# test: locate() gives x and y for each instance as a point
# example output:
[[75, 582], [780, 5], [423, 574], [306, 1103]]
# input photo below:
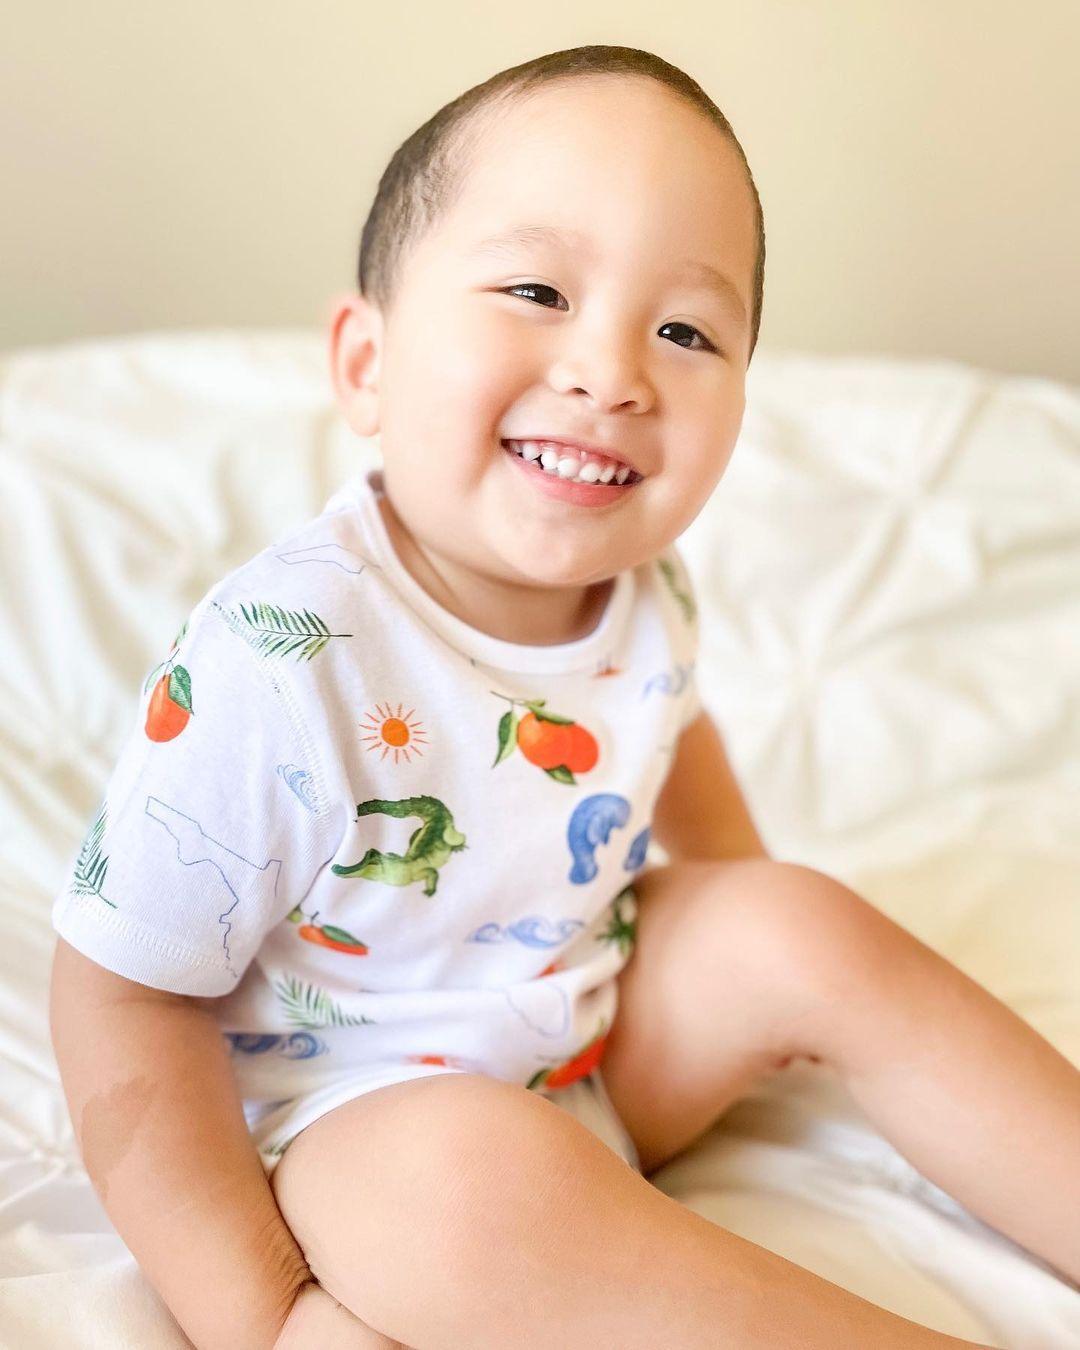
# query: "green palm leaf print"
[[91, 865], [277, 632], [277, 1147], [309, 1006], [684, 598], [621, 929]]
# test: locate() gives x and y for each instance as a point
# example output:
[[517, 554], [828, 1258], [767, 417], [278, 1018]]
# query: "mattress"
[[889, 582]]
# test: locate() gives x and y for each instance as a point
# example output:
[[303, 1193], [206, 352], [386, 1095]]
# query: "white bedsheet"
[[889, 576]]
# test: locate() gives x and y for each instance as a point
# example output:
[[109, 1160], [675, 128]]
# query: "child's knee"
[[834, 953], [417, 1187]]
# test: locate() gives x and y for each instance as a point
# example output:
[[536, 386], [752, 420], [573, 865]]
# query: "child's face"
[[460, 362]]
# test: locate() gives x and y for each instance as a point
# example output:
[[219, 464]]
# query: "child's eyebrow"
[[701, 274]]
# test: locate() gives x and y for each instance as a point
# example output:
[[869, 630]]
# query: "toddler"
[[371, 1017]]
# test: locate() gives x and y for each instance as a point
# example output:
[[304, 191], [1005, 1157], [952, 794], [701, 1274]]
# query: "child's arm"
[[161, 1130], [701, 812]]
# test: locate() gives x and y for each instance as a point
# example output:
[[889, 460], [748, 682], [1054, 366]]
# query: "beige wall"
[[210, 164]]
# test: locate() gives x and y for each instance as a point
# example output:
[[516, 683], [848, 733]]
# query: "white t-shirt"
[[375, 839]]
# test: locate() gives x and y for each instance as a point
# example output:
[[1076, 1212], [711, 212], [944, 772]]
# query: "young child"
[[355, 915]]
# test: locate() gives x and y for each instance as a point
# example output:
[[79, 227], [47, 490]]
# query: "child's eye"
[[530, 286], [537, 286], [708, 345]]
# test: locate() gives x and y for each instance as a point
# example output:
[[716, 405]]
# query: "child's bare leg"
[[318, 1319], [742, 965], [462, 1211], [971, 1094]]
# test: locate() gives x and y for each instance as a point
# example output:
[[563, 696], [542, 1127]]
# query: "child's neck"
[[524, 615]]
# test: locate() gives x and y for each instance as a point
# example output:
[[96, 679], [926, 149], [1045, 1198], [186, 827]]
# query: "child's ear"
[[355, 353]]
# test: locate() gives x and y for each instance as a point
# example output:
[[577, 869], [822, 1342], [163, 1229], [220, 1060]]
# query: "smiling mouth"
[[572, 492], [568, 464]]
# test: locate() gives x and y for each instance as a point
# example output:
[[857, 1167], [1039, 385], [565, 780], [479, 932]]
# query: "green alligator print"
[[430, 846]]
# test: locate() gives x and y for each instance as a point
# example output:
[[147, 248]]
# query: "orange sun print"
[[393, 731]]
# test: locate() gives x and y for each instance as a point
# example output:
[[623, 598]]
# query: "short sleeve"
[[213, 823]]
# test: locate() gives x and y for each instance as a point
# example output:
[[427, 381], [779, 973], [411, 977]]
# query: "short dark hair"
[[427, 171]]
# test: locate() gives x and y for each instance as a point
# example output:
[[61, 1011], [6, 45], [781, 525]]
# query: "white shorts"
[[278, 1124]]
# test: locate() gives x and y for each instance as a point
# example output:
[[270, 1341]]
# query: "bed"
[[889, 580]]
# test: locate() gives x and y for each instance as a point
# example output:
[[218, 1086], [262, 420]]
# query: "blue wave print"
[[635, 856], [300, 781], [669, 682], [297, 1045], [533, 931]]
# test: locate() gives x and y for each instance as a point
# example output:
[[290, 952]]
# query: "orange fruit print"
[[165, 718], [551, 744], [326, 934], [584, 752], [558, 745], [565, 1074], [325, 937], [170, 707], [544, 744]]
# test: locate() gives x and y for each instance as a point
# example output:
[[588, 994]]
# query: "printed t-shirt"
[[368, 836]]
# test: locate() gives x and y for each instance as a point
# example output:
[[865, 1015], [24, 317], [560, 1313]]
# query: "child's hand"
[[317, 1321]]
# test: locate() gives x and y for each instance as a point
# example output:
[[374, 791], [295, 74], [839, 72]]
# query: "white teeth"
[[570, 467]]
